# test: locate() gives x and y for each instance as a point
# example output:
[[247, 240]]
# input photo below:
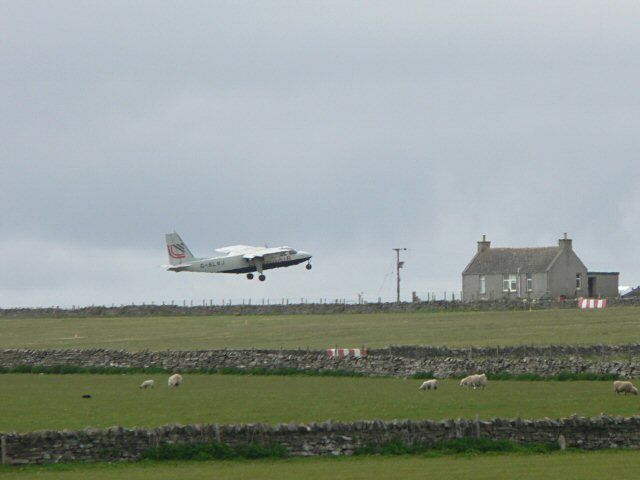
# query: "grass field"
[[34, 402], [565, 465], [612, 326]]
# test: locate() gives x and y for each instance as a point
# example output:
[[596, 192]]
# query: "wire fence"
[[361, 299]]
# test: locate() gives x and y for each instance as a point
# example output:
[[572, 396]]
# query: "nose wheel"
[[250, 276], [262, 278], [308, 266]]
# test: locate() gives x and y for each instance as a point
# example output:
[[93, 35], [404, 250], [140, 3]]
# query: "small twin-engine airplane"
[[234, 259]]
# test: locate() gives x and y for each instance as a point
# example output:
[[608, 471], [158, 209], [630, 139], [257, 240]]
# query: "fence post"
[[3, 447], [477, 426]]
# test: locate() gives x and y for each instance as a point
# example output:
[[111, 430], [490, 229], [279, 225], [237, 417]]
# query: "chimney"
[[565, 243], [484, 244]]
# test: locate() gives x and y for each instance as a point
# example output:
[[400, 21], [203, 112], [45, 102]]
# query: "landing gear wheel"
[[308, 266], [262, 278], [250, 276]]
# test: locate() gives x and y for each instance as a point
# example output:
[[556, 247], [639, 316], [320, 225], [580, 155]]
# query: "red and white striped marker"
[[592, 302], [346, 352]]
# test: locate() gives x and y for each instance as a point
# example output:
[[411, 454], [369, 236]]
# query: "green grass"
[[102, 370], [215, 451], [34, 402], [569, 326], [564, 465], [456, 447]]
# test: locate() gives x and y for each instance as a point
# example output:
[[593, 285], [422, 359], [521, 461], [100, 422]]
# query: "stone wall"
[[298, 308], [313, 439], [622, 360]]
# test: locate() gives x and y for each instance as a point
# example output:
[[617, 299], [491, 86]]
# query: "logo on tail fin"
[[177, 250]]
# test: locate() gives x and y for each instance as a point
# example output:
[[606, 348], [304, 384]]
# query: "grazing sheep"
[[624, 387], [175, 380], [481, 380], [475, 381], [466, 381], [148, 384], [429, 385]]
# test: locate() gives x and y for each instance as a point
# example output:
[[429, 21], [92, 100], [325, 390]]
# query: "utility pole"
[[399, 265]]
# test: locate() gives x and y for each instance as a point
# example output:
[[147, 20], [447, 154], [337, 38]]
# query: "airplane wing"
[[248, 252], [262, 252], [237, 249]]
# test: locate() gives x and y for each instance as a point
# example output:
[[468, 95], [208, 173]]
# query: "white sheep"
[[148, 384], [624, 387], [429, 385], [475, 381], [175, 380], [481, 380], [466, 381]]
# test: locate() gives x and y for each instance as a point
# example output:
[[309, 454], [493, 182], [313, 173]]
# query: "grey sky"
[[342, 128]]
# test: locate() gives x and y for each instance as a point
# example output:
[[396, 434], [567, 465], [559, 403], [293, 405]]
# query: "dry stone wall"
[[298, 308], [622, 360], [313, 439]]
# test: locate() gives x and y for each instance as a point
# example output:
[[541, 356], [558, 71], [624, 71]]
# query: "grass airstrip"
[[38, 402], [457, 329], [566, 465]]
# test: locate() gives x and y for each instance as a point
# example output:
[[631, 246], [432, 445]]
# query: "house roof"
[[632, 293], [509, 260]]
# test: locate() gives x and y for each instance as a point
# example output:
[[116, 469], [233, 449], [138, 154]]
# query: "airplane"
[[234, 259]]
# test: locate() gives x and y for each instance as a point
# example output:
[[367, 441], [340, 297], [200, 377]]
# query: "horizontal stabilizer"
[[176, 268]]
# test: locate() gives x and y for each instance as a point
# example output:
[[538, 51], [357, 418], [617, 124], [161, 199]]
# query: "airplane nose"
[[307, 255]]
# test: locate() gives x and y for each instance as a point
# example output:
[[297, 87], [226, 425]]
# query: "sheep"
[[481, 380], [429, 385], [624, 387], [148, 384], [465, 381], [474, 381], [175, 380]]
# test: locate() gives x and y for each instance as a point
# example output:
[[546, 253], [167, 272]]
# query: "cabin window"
[[578, 281], [483, 284], [529, 282], [509, 282]]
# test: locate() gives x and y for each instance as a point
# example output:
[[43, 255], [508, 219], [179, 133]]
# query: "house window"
[[509, 282], [578, 281], [529, 282], [483, 284]]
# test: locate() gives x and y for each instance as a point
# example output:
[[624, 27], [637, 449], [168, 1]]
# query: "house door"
[[592, 286]]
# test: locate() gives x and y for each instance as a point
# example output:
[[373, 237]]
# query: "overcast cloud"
[[341, 128]]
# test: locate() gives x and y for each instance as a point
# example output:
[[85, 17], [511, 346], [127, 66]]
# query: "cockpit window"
[[292, 251]]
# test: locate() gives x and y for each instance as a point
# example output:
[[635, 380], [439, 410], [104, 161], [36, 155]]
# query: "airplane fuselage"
[[239, 264]]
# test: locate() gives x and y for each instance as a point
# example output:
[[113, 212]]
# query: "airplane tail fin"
[[177, 249]]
